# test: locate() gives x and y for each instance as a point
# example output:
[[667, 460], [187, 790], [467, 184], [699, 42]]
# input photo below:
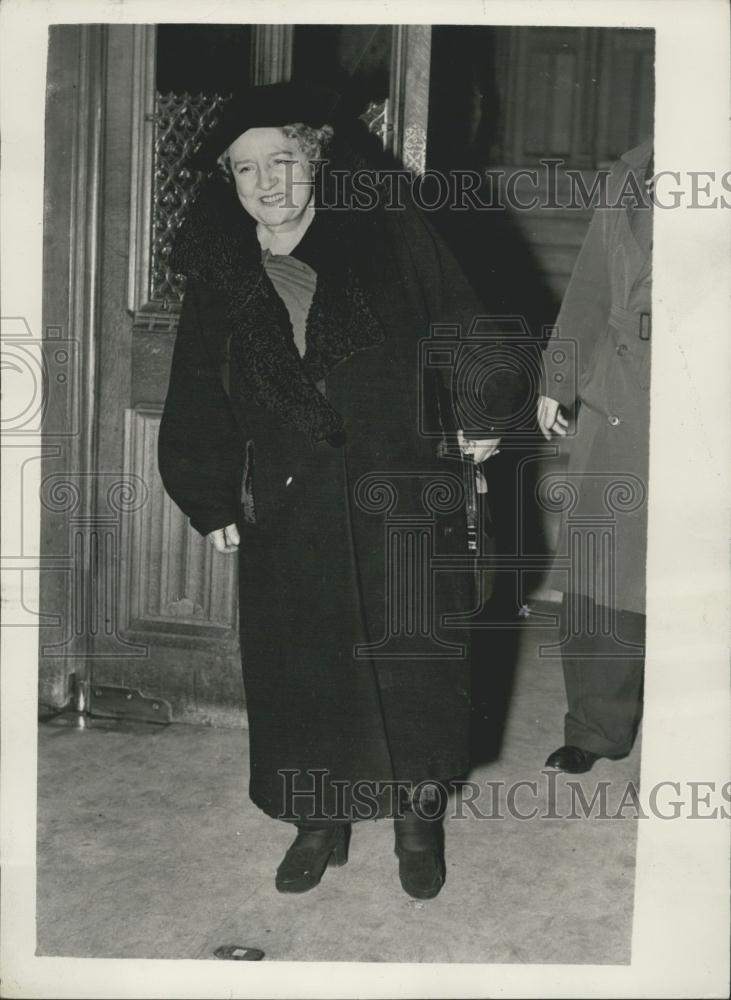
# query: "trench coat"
[[599, 353], [352, 673]]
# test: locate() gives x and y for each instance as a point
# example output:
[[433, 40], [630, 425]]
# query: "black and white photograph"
[[365, 441]]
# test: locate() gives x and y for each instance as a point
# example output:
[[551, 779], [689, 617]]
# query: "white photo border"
[[681, 917]]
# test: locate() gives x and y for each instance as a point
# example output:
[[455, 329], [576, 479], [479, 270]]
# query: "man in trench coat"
[[599, 355]]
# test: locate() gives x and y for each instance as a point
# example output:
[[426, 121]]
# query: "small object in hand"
[[238, 953]]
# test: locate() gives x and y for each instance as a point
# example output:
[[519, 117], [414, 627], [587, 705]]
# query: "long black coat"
[[350, 673]]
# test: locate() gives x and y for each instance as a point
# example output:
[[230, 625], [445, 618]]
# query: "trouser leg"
[[602, 674]]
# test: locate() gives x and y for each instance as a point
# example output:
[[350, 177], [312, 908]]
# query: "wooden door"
[[146, 605]]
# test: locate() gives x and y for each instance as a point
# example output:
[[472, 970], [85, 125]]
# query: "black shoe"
[[576, 760], [312, 851], [419, 847]]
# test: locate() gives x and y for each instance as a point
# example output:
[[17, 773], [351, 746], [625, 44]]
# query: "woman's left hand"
[[480, 448]]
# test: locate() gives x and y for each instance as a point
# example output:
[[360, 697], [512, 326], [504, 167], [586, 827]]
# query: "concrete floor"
[[148, 847]]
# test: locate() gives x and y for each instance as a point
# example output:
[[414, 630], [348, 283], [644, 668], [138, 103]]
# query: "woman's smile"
[[273, 177]]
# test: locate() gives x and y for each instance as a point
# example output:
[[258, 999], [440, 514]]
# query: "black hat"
[[269, 106]]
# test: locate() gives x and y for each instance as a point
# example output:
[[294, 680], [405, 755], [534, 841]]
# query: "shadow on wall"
[[464, 116]]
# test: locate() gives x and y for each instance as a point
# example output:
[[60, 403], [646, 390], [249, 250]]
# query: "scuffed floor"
[[148, 847]]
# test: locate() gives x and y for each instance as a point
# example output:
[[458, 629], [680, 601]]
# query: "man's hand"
[[225, 539], [550, 419], [480, 448]]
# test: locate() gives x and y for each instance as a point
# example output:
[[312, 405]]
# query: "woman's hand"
[[225, 539], [480, 448], [550, 419]]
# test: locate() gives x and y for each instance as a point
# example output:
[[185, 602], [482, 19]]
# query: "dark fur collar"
[[217, 245]]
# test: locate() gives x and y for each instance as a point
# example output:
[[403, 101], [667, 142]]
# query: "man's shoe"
[[573, 760]]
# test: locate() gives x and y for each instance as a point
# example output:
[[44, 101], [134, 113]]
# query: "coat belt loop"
[[645, 325]]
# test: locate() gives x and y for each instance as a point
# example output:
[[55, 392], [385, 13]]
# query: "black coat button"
[[622, 350]]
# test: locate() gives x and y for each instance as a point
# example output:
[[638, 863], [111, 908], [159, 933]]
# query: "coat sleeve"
[[200, 453], [583, 316], [490, 381]]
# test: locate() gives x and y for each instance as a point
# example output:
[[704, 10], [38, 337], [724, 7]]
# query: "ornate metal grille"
[[181, 122], [414, 149], [376, 118]]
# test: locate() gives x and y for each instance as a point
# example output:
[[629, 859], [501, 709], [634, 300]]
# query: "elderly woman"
[[301, 431]]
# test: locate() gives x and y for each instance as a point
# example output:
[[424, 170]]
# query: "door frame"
[[77, 58]]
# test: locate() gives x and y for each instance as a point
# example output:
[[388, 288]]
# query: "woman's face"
[[273, 177]]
